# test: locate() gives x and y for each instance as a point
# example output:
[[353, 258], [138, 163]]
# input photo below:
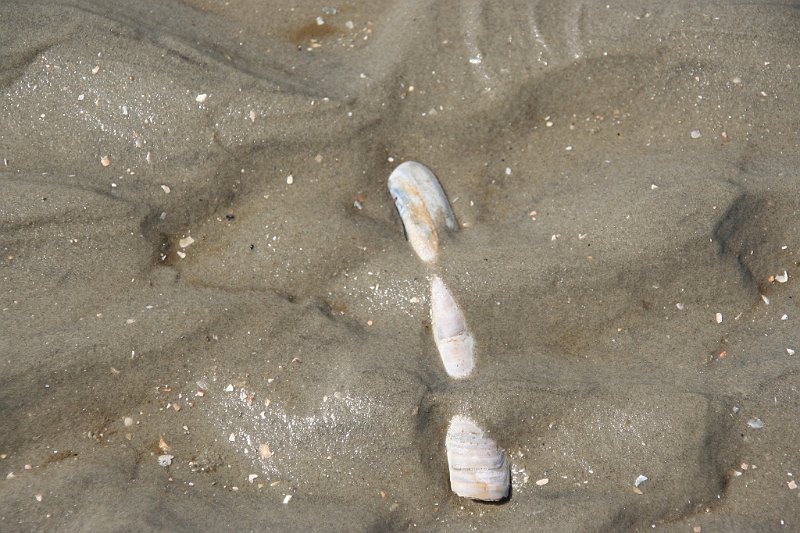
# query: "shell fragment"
[[423, 207], [453, 340], [479, 469]]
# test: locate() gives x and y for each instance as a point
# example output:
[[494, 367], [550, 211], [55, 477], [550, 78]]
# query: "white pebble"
[[782, 278], [755, 423], [200, 98], [695, 134], [165, 188], [287, 499], [289, 179], [165, 460], [542, 482], [639, 480], [718, 316], [186, 241], [789, 351]]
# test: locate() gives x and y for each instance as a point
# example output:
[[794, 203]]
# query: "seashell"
[[423, 207], [479, 469], [453, 340]]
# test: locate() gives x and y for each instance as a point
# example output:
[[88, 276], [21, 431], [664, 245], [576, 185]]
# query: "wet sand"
[[625, 177]]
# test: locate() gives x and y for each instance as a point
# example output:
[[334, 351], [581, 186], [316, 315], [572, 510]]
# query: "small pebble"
[[289, 179], [128, 421], [165, 460], [695, 134], [287, 499], [263, 451], [200, 98], [755, 423], [639, 480], [542, 482], [105, 160], [718, 317]]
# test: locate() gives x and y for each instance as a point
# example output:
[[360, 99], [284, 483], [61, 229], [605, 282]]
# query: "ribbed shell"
[[479, 469]]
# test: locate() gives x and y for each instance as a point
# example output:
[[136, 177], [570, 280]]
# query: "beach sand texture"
[[210, 318]]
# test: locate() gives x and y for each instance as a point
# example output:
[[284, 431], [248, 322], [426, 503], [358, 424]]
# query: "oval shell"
[[453, 340], [479, 469], [423, 207]]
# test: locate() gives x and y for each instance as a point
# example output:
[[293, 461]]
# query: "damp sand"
[[211, 319]]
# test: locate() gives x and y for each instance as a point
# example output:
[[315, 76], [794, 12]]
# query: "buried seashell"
[[423, 207], [453, 340], [479, 469]]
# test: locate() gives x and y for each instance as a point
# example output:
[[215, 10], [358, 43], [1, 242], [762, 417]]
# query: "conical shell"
[[423, 207], [479, 469], [453, 340]]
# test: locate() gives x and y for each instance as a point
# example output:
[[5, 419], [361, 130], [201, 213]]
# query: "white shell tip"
[[453, 340]]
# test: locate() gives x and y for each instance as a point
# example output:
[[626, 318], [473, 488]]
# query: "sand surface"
[[626, 179]]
